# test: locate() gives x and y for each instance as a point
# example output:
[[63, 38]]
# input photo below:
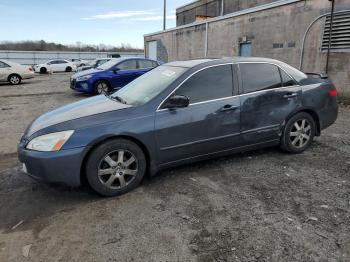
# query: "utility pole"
[[164, 16], [330, 35]]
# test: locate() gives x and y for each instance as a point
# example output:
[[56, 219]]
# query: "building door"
[[245, 49], [152, 50]]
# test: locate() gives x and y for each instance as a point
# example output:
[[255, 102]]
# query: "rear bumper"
[[328, 116], [53, 167]]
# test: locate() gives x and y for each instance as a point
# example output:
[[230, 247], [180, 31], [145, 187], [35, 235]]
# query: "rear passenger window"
[[256, 77], [145, 64], [208, 84], [3, 65], [127, 65], [286, 79]]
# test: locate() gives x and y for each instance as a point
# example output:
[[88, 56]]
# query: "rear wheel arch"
[[312, 113], [144, 149]]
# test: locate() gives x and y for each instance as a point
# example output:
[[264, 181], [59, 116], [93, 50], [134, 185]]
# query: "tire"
[[82, 65], [43, 70], [298, 133], [14, 79], [68, 69], [115, 167], [101, 86]]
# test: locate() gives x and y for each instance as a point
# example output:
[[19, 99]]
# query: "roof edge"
[[235, 14]]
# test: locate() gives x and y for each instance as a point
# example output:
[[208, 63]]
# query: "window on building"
[[340, 32], [259, 76], [211, 83], [291, 44], [277, 45], [127, 65]]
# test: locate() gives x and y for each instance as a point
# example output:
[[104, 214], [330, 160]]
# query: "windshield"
[[109, 64], [149, 85]]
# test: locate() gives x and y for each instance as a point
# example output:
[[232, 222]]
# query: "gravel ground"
[[264, 205]]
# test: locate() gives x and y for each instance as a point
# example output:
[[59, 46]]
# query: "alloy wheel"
[[102, 87], [14, 80], [300, 133], [118, 169]]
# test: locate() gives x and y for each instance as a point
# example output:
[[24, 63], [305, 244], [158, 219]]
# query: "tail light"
[[332, 92], [30, 69]]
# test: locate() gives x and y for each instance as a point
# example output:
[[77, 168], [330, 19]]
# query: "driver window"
[[208, 84]]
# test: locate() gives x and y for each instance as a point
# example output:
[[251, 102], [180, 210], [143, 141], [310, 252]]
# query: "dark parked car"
[[111, 75], [177, 113], [93, 64]]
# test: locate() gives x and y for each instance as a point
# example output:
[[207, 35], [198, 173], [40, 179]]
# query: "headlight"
[[50, 142], [84, 78]]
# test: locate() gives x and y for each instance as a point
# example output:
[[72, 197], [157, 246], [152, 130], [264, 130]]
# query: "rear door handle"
[[287, 96], [228, 108]]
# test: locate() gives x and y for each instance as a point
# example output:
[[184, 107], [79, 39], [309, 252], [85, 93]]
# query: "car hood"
[[86, 72], [86, 107]]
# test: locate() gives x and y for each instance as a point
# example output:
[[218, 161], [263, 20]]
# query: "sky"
[[110, 22]]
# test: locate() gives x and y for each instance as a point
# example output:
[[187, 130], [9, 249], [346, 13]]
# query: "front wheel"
[[115, 167], [101, 87], [68, 69], [298, 133]]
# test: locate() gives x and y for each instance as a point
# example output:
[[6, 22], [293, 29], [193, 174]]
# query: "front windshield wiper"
[[116, 98]]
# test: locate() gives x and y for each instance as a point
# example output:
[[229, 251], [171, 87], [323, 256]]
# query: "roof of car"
[[237, 59]]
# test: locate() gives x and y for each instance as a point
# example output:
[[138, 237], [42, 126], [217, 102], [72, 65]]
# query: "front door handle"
[[287, 96], [228, 108]]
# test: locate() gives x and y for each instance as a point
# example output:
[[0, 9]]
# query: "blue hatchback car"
[[111, 75]]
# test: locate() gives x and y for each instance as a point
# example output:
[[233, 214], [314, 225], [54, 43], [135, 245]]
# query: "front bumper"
[[53, 167], [81, 86]]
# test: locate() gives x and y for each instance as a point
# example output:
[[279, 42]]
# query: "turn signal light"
[[332, 92]]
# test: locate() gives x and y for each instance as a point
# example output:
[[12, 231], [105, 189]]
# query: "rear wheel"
[[298, 133], [14, 79], [101, 87], [68, 69], [115, 167], [43, 70]]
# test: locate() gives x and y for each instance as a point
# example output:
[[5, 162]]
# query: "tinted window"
[[212, 83], [145, 64], [256, 77], [127, 65], [286, 79], [3, 65]]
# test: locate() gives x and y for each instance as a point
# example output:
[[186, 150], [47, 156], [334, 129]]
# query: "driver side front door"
[[211, 122], [127, 71]]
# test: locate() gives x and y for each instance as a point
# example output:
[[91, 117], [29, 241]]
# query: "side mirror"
[[115, 70], [177, 101]]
